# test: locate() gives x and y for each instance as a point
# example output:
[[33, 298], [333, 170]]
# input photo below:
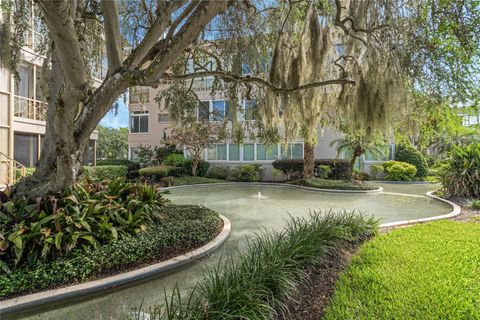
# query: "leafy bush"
[[81, 218], [261, 281], [175, 230], [361, 176], [131, 165], [189, 180], [335, 184], [412, 156], [174, 159], [475, 204], [156, 173], [462, 177], [399, 171], [292, 169], [98, 174], [247, 173], [28, 172], [218, 172], [202, 168], [323, 171]]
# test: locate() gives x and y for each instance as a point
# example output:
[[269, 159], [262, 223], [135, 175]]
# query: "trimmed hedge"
[[399, 171], [160, 172], [247, 173], [174, 159], [101, 173], [218, 172], [340, 169], [412, 156], [201, 169], [176, 229], [131, 165]]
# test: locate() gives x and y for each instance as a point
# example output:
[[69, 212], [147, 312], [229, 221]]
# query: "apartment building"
[[23, 109], [149, 121]]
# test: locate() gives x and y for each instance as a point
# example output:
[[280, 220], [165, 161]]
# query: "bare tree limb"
[[112, 35]]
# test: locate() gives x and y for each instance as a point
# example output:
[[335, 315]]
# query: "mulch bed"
[[315, 294]]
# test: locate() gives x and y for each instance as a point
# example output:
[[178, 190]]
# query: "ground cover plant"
[[428, 271], [335, 184], [259, 283], [175, 230]]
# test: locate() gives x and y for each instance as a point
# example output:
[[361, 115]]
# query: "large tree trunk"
[[357, 152], [308, 160]]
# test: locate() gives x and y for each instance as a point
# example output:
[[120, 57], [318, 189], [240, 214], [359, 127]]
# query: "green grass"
[[429, 271], [335, 184], [187, 180]]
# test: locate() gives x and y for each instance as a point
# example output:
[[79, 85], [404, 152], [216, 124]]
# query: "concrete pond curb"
[[30, 301]]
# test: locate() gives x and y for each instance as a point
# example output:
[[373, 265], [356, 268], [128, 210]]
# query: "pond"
[[249, 211]]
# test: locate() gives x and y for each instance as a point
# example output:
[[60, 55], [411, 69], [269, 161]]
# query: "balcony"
[[33, 40], [29, 108]]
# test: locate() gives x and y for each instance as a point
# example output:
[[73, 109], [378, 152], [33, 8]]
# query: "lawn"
[[429, 271]]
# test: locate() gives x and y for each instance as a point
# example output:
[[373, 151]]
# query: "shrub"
[[264, 278], [323, 171], [247, 173], [218, 172], [275, 174], [156, 173], [475, 204], [412, 156], [98, 174], [81, 218], [361, 176], [462, 178], [202, 168], [340, 169], [175, 230], [131, 165], [399, 171], [28, 172], [174, 159], [133, 174]]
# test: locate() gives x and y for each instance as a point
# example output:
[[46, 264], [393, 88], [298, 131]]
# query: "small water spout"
[[259, 196]]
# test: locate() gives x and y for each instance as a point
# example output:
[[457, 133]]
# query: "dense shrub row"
[[131, 165], [106, 172], [414, 157], [176, 229], [155, 173], [242, 173], [293, 169], [82, 218], [260, 282]]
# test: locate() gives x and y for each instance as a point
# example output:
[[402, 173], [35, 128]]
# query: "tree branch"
[[59, 19], [112, 35]]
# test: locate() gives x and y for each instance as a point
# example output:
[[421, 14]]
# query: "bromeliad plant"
[[82, 218]]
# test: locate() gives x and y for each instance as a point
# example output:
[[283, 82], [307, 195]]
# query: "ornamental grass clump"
[[260, 282], [461, 177]]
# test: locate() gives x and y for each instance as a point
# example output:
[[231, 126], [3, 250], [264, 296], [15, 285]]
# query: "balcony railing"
[[29, 108], [11, 170]]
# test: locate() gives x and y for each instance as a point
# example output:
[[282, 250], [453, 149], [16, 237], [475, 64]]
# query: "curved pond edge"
[[274, 184], [456, 209], [28, 302]]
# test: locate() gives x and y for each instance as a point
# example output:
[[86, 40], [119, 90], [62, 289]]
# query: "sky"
[[118, 120]]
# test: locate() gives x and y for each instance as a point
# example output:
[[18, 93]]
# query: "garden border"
[[27, 302], [378, 190], [455, 212]]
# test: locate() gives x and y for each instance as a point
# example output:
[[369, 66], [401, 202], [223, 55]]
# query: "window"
[[26, 149], [261, 152], [249, 152], [204, 110], [220, 109], [163, 117], [267, 152], [139, 95], [24, 85], [233, 152], [217, 152], [250, 107], [292, 151], [139, 122]]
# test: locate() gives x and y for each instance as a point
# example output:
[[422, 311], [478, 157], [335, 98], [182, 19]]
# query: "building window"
[[139, 122], [267, 152], [292, 151], [26, 149], [163, 117], [217, 151], [249, 152], [24, 84], [204, 111], [139, 95], [233, 152], [220, 109]]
